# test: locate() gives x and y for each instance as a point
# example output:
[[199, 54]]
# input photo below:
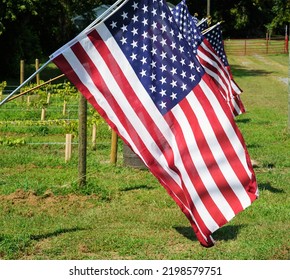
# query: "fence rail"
[[256, 46]]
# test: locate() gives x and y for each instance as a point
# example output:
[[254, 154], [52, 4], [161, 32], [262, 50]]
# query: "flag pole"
[[25, 82]]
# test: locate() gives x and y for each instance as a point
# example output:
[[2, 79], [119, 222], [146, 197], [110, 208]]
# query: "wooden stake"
[[94, 137], [36, 68], [43, 114], [82, 165], [114, 147], [68, 147], [64, 108]]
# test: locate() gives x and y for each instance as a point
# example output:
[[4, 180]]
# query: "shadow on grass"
[[131, 188], [225, 233], [267, 187], [239, 71], [55, 233]]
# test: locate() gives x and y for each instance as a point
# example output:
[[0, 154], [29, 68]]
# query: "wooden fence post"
[[21, 80], [43, 111], [82, 165], [114, 147], [94, 137], [36, 68], [68, 147]]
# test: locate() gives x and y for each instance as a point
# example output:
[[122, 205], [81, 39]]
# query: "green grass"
[[124, 213]]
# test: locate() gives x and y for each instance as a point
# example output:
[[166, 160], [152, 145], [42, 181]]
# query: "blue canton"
[[160, 56]]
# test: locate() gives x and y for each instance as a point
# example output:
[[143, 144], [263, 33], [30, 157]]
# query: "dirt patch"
[[48, 199]]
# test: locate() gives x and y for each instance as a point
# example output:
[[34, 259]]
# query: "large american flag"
[[139, 73], [208, 58]]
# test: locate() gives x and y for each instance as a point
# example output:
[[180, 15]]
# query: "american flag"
[[214, 36], [209, 58], [139, 73]]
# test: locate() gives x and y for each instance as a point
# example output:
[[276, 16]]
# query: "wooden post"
[[21, 71], [68, 147], [82, 165], [36, 68], [64, 108], [94, 136], [114, 147], [48, 98], [21, 80], [43, 110]]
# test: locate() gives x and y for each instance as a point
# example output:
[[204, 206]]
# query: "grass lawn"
[[124, 213]]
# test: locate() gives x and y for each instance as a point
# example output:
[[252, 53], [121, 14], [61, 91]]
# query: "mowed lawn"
[[124, 213]]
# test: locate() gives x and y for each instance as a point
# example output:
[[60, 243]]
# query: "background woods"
[[36, 28]]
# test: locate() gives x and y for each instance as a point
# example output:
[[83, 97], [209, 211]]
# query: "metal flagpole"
[[101, 17]]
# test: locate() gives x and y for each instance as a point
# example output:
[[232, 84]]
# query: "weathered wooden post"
[[21, 80], [114, 147], [94, 137], [36, 68], [82, 149]]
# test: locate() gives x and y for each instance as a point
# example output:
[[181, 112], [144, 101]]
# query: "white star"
[[124, 15], [154, 51], [163, 15], [143, 72], [123, 40], [153, 64], [173, 71], [135, 18], [153, 77], [163, 28], [163, 68], [173, 83], [134, 44], [173, 95], [173, 58], [145, 8], [173, 45], [192, 77], [144, 60], [124, 28], [145, 21], [135, 5], [182, 61], [133, 56], [113, 24], [154, 25], [134, 31], [184, 86], [162, 92], [144, 48], [163, 105], [153, 88], [145, 35], [163, 42], [183, 74], [154, 12], [163, 55], [163, 80]]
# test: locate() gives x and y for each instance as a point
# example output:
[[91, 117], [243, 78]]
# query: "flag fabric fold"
[[140, 74]]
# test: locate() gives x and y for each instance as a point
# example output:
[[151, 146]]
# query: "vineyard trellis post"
[[82, 140]]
